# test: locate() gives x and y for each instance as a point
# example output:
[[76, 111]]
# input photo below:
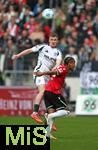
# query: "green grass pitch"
[[74, 133]]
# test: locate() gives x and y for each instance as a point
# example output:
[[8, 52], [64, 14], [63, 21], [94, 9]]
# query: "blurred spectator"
[[90, 7], [72, 52], [63, 46], [38, 33], [12, 28], [47, 31], [53, 3], [36, 6], [68, 30], [83, 56], [9, 51], [30, 24], [71, 42], [24, 17], [92, 56], [75, 8], [96, 25], [60, 22], [24, 42], [87, 45]]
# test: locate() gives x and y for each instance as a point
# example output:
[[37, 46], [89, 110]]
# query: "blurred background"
[[22, 26]]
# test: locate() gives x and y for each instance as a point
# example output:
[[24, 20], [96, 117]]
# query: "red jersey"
[[55, 84]]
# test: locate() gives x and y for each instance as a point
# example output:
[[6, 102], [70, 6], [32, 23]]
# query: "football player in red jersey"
[[54, 101]]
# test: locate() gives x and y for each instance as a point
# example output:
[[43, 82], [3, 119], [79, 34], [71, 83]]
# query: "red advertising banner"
[[18, 101]]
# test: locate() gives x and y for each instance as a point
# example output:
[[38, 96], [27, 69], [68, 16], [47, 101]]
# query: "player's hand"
[[54, 68], [14, 57], [38, 73]]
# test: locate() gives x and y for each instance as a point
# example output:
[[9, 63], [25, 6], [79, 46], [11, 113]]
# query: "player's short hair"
[[53, 34], [68, 59]]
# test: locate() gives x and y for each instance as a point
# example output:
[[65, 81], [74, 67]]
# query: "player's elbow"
[[29, 50]]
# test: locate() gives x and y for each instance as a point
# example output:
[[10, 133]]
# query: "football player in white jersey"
[[49, 57]]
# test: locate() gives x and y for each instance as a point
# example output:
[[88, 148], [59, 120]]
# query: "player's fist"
[[14, 57]]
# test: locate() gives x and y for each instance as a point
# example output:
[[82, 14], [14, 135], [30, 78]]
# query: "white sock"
[[58, 113], [54, 115], [49, 128], [46, 117]]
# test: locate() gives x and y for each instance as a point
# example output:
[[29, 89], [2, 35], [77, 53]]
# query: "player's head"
[[70, 62], [53, 39]]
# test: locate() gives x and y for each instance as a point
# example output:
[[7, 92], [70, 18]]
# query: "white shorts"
[[40, 80]]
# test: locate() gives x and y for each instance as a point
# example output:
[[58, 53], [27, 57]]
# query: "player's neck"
[[52, 46]]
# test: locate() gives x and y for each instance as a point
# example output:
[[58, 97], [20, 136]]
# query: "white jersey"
[[47, 57]]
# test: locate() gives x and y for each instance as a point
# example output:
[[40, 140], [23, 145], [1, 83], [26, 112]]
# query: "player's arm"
[[23, 53], [27, 51], [53, 72]]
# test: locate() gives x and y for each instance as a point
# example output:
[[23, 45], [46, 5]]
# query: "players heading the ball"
[[53, 98], [49, 57]]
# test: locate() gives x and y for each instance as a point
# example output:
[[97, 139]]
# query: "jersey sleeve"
[[37, 48], [61, 70]]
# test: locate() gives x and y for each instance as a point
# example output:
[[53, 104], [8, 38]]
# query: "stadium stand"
[[22, 26]]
